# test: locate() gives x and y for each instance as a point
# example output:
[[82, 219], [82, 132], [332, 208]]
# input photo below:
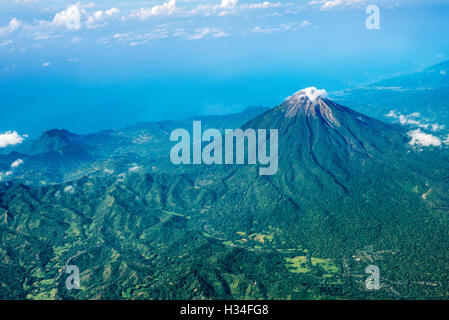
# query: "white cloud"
[[112, 12], [165, 9], [95, 17], [413, 120], [261, 30], [423, 139], [228, 4], [89, 5], [283, 27], [224, 8], [13, 166], [3, 175], [14, 24], [137, 38], [328, 5], [220, 34], [73, 18], [331, 4], [312, 93], [11, 138], [46, 64], [305, 23], [436, 127], [69, 189], [134, 168], [70, 17], [100, 16], [201, 33], [261, 5], [16, 163], [392, 114]]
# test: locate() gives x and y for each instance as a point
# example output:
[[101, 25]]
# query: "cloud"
[[14, 24], [228, 4], [70, 17], [46, 64], [3, 175], [261, 30], [224, 8], [305, 23], [11, 138], [220, 34], [201, 33], [165, 9], [392, 114], [283, 27], [261, 5], [313, 94], [16, 163], [331, 4], [413, 120], [99, 16], [423, 139], [137, 38], [134, 168], [69, 189], [13, 166], [74, 18], [328, 5], [112, 12], [436, 127]]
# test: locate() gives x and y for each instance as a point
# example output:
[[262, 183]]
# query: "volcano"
[[327, 143], [345, 180]]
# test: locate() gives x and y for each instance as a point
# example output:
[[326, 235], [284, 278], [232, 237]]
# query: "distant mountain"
[[59, 155], [436, 76], [52, 140], [424, 94]]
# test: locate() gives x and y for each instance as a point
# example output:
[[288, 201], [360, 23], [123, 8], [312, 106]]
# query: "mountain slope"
[[347, 183], [350, 192]]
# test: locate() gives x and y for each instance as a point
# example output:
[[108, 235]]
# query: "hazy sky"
[[87, 65]]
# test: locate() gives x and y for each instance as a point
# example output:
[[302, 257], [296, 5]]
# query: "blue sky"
[[103, 64]]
